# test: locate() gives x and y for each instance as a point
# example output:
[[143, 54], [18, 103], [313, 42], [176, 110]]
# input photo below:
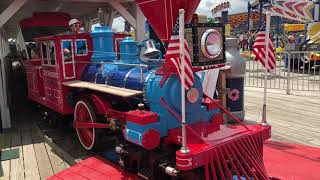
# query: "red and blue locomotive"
[[138, 102]]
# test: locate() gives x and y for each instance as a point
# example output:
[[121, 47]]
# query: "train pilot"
[[74, 25]]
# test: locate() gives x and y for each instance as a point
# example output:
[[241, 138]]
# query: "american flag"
[[259, 51], [173, 57]]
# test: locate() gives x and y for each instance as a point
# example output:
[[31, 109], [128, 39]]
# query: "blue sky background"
[[204, 7]]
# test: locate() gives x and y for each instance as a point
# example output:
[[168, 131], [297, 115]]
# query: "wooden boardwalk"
[[37, 160], [294, 118], [38, 157]]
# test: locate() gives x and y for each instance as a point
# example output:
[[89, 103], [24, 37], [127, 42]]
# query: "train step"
[[145, 173]]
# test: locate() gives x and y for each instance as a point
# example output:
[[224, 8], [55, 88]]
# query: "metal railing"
[[304, 71], [297, 70]]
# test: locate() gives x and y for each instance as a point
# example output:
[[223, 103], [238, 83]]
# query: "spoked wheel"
[[84, 113]]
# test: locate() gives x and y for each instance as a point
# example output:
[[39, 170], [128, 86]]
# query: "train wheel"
[[84, 112]]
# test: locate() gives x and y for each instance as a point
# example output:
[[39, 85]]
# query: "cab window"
[[81, 47], [67, 50], [35, 51], [44, 52], [51, 50]]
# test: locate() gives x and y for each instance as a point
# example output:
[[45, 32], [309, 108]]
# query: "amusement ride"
[[148, 103]]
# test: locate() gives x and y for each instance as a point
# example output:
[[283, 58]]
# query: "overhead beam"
[[95, 1], [112, 16], [124, 13], [108, 14], [10, 11], [141, 20]]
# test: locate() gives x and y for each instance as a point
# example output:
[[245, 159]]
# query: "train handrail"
[[227, 112]]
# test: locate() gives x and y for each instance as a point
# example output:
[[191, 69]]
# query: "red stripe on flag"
[[173, 57], [259, 51]]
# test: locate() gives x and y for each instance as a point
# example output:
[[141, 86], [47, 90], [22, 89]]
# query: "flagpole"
[[264, 113], [184, 149]]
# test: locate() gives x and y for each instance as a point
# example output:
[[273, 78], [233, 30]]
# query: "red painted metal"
[[94, 168], [41, 19], [102, 106], [151, 139], [217, 119], [83, 114], [167, 12], [44, 81], [232, 144], [119, 115], [166, 71], [193, 135], [226, 111], [141, 117], [209, 103], [88, 124]]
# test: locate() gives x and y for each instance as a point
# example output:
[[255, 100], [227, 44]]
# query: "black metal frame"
[[196, 47]]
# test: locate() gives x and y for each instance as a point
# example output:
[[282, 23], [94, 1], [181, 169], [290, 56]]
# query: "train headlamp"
[[193, 95], [211, 43]]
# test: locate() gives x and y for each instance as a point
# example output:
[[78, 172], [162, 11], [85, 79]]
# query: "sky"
[[237, 6], [204, 7]]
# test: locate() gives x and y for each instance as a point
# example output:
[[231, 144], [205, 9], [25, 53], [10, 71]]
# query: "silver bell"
[[151, 50]]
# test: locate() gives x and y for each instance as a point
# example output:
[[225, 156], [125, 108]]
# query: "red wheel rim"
[[86, 135]]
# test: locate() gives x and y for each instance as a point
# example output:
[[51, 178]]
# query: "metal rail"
[[294, 71], [141, 66]]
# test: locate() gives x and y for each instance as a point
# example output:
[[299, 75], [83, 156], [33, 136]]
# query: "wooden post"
[[5, 111], [140, 30], [222, 86]]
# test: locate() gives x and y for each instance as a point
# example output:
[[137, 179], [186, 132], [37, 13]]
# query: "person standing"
[[289, 47], [74, 25]]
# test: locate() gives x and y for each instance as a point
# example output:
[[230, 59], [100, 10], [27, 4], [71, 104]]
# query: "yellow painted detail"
[[294, 27]]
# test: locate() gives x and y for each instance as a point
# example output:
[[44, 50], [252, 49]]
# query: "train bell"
[[151, 50]]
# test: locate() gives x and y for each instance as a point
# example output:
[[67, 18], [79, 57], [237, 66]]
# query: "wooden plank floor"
[[37, 160], [294, 118]]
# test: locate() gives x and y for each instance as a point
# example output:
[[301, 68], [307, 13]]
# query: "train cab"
[[54, 60]]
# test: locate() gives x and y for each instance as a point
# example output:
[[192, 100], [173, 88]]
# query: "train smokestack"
[[164, 19]]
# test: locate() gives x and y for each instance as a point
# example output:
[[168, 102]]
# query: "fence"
[[298, 70]]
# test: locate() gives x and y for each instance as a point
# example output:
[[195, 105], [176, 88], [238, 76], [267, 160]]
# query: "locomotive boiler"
[[136, 101], [131, 73]]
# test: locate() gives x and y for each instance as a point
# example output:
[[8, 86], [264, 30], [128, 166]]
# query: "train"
[[137, 102]]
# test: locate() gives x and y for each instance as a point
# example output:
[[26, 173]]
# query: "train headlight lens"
[[211, 43], [193, 95]]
